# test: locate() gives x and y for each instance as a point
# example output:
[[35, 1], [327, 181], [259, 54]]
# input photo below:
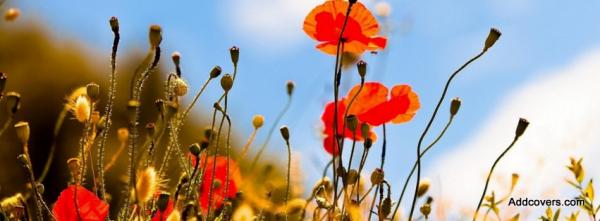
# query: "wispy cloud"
[[563, 110]]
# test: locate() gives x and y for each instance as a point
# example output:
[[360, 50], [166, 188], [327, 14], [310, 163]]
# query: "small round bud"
[[493, 36], [423, 187], [217, 106], [362, 68], [155, 35], [40, 188], [23, 160], [454, 106], [235, 54], [208, 132], [11, 14], [176, 57], [215, 72], [204, 145], [352, 122], [425, 210], [163, 201], [377, 176], [258, 121], [2, 82], [123, 134], [13, 102], [22, 129], [341, 171], [195, 149], [290, 88], [521, 126], [383, 9], [114, 24], [74, 164], [227, 82], [93, 91], [180, 88], [285, 133], [352, 176]]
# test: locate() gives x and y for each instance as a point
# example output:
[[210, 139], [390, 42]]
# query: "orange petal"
[[372, 94], [414, 104]]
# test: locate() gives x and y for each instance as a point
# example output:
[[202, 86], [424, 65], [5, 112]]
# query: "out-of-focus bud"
[[368, 143], [163, 201], [132, 108], [235, 54], [215, 72], [180, 88], [285, 133], [74, 166], [258, 121], [114, 24], [352, 176], [383, 9], [352, 122], [13, 102], [93, 91], [227, 82], [11, 14], [454, 106], [176, 57], [423, 187], [22, 129], [123, 134], [195, 149], [492, 38], [290, 88], [208, 132], [377, 176], [296, 206], [425, 210], [521, 126], [362, 68], [155, 35], [204, 145], [160, 105]]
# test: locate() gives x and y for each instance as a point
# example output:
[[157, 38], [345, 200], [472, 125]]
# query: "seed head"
[[180, 88], [215, 72], [493, 36], [155, 35], [81, 108], [22, 129], [362, 68], [521, 126], [93, 91], [454, 106], [227, 82], [423, 187], [147, 184]]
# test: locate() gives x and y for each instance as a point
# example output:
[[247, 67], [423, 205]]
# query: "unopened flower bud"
[[176, 57], [217, 106], [93, 91], [362, 68], [491, 39], [195, 149], [352, 176], [454, 106], [352, 1], [425, 210], [208, 132], [74, 164], [352, 123], [163, 201], [155, 35], [523, 123], [423, 187], [235, 54], [215, 72], [290, 88], [22, 129], [377, 176], [385, 208], [368, 143], [180, 88], [258, 121], [364, 130], [40, 188], [11, 14], [114, 24], [285, 133], [123, 134], [227, 82], [13, 102]]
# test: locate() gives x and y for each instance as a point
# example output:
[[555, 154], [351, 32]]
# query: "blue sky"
[[538, 36]]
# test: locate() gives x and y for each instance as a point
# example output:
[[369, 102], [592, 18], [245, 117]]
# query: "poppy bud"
[[341, 171], [385, 208], [290, 88], [217, 106], [368, 143], [150, 129], [491, 39], [235, 54], [258, 121], [285, 133], [352, 122], [352, 176], [208, 132], [362, 68], [114, 24], [2, 82], [163, 201], [523, 123], [215, 72], [23, 160], [204, 145], [22, 129], [454, 106], [364, 130], [377, 176], [425, 210], [227, 82], [180, 88], [176, 57], [123, 134], [132, 108], [195, 149], [93, 91], [423, 187], [13, 102], [74, 164], [155, 35], [11, 14]]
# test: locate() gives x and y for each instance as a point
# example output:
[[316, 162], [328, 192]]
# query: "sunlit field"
[[321, 110]]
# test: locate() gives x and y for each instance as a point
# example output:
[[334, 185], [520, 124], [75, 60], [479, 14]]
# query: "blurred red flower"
[[91, 208], [373, 106], [324, 24], [165, 214], [219, 188]]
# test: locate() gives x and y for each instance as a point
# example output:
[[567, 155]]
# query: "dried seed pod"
[[227, 82], [377, 176], [521, 126], [155, 35], [285, 133], [93, 91], [454, 106], [362, 68], [235, 54], [215, 72], [385, 208], [352, 122], [290, 88], [493, 36], [23, 131]]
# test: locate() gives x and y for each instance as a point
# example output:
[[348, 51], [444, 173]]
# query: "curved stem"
[[214, 166], [57, 127], [437, 107], [289, 168], [270, 133]]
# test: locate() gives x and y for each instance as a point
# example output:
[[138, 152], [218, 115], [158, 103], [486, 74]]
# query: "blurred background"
[[544, 68]]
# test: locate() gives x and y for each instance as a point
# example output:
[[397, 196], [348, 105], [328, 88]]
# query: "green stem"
[[270, 133]]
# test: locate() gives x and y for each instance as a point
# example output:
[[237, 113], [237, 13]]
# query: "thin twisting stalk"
[[270, 133], [437, 107], [287, 181], [214, 166], [50, 158]]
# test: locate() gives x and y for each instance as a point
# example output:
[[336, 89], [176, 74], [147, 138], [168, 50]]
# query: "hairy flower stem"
[[270, 133], [287, 181], [227, 152], [431, 119], [412, 170], [487, 181], [214, 166]]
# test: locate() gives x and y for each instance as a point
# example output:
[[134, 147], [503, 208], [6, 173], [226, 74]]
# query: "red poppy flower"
[[328, 118], [374, 106], [91, 208], [324, 24], [165, 214], [219, 183]]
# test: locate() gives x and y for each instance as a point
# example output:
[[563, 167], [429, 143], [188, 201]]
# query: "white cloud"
[[563, 110]]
